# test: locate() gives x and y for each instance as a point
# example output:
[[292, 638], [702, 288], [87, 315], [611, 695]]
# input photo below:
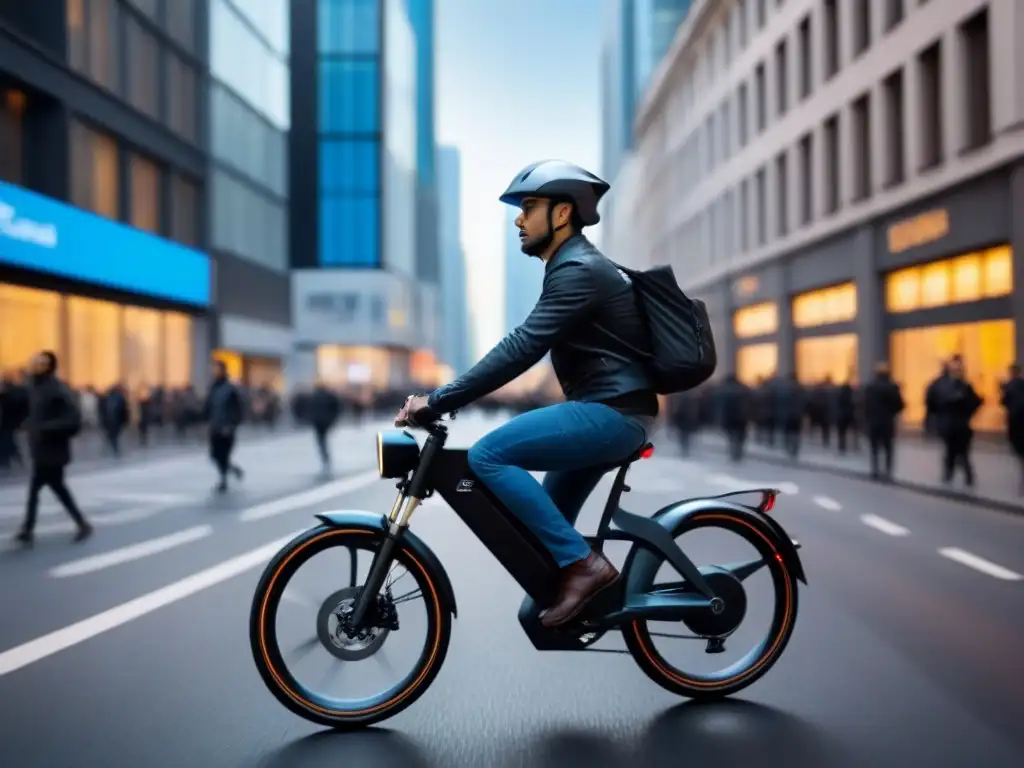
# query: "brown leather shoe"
[[581, 582]]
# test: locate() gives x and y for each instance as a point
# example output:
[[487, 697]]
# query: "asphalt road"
[[131, 648]]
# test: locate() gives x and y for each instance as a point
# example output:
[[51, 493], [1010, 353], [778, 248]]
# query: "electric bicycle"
[[355, 621]]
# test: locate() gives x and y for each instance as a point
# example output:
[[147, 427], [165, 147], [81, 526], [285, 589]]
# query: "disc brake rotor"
[[330, 628]]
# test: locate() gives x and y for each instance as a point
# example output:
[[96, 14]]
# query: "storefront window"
[[177, 350], [837, 304], [756, 361], [987, 350], [264, 372], [29, 323], [756, 320], [143, 356], [821, 357], [94, 343], [354, 366], [971, 277]]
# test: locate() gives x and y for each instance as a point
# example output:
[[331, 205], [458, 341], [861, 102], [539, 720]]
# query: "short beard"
[[535, 246]]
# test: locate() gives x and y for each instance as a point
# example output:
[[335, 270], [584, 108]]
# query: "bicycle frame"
[[447, 472]]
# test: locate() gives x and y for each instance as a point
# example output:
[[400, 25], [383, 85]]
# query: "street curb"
[[854, 474]]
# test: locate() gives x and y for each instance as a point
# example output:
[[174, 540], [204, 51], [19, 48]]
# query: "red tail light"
[[769, 502], [647, 452]]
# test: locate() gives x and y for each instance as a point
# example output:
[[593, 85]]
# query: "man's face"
[[534, 230], [38, 365], [956, 369], [219, 371]]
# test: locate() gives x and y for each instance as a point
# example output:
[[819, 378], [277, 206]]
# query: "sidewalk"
[[916, 465]]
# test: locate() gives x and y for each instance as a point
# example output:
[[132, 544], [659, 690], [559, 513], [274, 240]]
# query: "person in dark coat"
[[734, 404], [322, 410], [224, 410], [53, 420], [1013, 402], [956, 402], [883, 403], [791, 406]]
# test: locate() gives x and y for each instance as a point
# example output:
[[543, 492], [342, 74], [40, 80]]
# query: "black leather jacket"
[[587, 318]]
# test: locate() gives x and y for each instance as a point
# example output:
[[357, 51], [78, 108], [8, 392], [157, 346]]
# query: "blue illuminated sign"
[[37, 232]]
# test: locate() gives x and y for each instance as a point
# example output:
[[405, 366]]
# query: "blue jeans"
[[566, 441]]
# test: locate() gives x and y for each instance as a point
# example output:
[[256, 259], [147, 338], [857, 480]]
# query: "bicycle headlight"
[[398, 453]]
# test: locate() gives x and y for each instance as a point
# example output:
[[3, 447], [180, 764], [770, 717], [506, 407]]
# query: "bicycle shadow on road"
[[371, 748]]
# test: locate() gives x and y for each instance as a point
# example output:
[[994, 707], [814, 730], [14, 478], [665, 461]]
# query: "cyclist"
[[587, 318]]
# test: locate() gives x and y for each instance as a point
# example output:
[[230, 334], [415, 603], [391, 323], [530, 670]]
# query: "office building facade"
[[455, 348], [102, 190], [839, 180], [249, 115], [362, 316]]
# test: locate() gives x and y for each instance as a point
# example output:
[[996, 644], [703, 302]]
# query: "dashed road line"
[[980, 564], [131, 552], [883, 525], [827, 503]]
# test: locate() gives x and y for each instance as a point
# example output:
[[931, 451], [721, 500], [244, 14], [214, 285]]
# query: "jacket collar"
[[571, 247]]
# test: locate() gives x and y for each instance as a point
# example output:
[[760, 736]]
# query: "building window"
[[181, 97], [826, 306], [29, 322], [894, 13], [94, 171], [806, 154], [861, 26], [806, 57], [831, 32], [144, 177], [824, 358], [744, 215], [782, 198], [756, 320], [184, 211], [761, 94], [349, 231], [756, 362], [247, 223], [144, 69], [781, 78], [972, 277], [761, 195], [978, 106], [93, 41], [349, 96], [929, 64], [181, 22], [762, 13], [742, 32], [177, 350], [833, 177], [12, 136], [94, 341], [726, 121], [744, 113], [861, 114], [892, 94], [348, 27]]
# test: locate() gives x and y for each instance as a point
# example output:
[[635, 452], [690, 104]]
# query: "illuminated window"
[[756, 361], [987, 349], [143, 356], [94, 343], [145, 194], [177, 349], [998, 271], [354, 366], [12, 135], [103, 39], [837, 304], [757, 320], [29, 323], [264, 372], [75, 10], [970, 277], [821, 357]]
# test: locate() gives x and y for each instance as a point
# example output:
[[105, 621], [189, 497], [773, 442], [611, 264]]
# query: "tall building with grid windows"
[[364, 305], [838, 180]]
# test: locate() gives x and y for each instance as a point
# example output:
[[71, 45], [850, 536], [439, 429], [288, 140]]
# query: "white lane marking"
[[826, 503], [883, 525], [131, 552], [980, 564], [47, 645], [725, 480], [314, 496], [788, 488]]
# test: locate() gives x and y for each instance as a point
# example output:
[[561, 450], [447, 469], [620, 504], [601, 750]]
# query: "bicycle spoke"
[[676, 637], [303, 649], [333, 670], [411, 595], [299, 598]]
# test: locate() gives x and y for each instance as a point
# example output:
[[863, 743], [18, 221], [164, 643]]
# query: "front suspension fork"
[[398, 521]]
